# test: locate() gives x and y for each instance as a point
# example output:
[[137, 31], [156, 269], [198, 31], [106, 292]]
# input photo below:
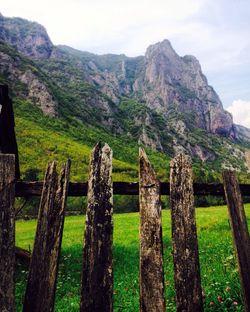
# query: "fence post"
[[240, 231], [8, 144], [41, 285], [184, 237], [7, 232], [151, 246], [97, 276]]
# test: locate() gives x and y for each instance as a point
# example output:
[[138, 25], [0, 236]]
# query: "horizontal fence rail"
[[24, 188]]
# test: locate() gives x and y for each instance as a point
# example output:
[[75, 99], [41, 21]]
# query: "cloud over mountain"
[[241, 112]]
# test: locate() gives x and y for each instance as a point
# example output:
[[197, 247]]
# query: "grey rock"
[[171, 81], [29, 38], [39, 94], [242, 133], [34, 90]]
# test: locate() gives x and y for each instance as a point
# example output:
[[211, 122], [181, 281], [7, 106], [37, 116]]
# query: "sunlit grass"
[[220, 278]]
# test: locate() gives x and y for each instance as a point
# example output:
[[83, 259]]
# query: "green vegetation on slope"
[[219, 272], [41, 139]]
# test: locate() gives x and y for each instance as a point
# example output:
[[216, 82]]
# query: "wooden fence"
[[97, 276], [97, 272]]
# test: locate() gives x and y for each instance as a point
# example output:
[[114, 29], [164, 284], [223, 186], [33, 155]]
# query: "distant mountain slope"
[[159, 100], [29, 38], [41, 139]]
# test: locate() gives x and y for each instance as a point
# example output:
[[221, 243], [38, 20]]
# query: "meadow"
[[220, 279]]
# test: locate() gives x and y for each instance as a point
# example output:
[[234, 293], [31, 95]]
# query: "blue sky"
[[217, 32]]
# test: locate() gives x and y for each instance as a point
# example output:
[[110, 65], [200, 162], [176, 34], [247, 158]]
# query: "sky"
[[217, 32]]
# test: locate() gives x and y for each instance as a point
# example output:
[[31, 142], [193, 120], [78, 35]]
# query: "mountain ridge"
[[160, 100]]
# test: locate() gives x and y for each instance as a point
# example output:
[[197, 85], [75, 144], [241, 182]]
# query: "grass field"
[[218, 264]]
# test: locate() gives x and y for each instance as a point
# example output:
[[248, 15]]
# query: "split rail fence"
[[97, 276]]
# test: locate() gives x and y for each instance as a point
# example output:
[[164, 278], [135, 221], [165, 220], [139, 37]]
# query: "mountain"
[[160, 100], [170, 81], [29, 38]]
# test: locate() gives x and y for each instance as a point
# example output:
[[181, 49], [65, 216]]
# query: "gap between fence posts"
[[151, 246], [41, 285], [240, 232], [7, 233], [184, 237], [97, 272]]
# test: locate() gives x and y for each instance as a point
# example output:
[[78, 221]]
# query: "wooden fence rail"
[[25, 188], [97, 276]]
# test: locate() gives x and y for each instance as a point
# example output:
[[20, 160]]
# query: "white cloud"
[[106, 26], [241, 112]]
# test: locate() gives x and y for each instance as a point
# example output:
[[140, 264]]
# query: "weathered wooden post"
[[97, 276], [151, 246], [184, 237], [8, 144], [240, 231], [7, 232], [41, 285]]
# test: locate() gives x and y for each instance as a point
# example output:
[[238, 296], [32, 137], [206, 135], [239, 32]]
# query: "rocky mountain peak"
[[165, 64], [30, 38], [161, 48], [171, 82]]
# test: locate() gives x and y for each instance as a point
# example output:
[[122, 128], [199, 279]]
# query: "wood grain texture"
[[7, 232], [97, 274], [240, 231], [151, 246], [8, 144], [184, 237], [41, 285]]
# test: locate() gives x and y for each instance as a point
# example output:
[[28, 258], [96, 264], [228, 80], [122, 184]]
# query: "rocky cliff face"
[[22, 77], [242, 133], [164, 81], [172, 82], [38, 93], [29, 38]]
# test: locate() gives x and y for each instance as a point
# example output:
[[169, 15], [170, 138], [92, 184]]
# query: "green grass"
[[218, 264]]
